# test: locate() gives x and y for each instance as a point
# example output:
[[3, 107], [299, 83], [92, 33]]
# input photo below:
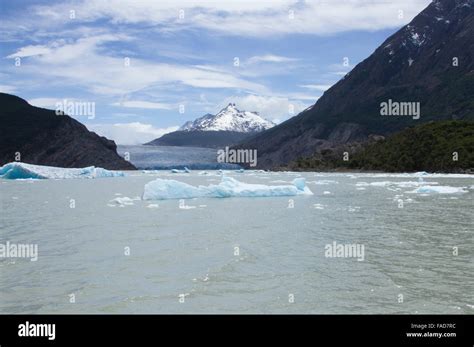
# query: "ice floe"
[[438, 190], [122, 201], [394, 186], [422, 174], [18, 170], [185, 170], [161, 189], [318, 206]]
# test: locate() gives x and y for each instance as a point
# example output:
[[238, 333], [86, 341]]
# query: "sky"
[[148, 66]]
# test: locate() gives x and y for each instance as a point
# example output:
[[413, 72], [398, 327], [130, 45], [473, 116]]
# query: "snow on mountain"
[[229, 119]]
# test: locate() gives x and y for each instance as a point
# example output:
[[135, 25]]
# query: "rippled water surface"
[[247, 255]]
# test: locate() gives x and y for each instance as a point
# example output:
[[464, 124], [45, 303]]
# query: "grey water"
[[238, 255]]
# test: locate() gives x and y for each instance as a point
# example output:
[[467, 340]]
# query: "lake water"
[[239, 255], [172, 157]]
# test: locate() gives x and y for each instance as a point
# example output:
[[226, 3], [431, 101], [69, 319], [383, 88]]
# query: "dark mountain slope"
[[413, 65], [44, 138], [209, 139]]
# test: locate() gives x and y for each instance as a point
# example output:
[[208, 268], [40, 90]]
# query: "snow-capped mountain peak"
[[230, 118]]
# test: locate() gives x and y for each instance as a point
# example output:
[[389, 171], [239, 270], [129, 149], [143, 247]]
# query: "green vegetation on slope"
[[444, 146]]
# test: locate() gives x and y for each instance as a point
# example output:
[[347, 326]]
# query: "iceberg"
[[162, 189], [438, 189], [19, 170]]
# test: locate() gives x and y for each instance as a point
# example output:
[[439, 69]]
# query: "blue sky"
[[138, 61]]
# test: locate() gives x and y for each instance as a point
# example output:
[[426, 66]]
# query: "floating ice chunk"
[[438, 189], [160, 189], [123, 201], [18, 170], [326, 192], [401, 184], [187, 207], [324, 182], [421, 173], [153, 206], [186, 170], [299, 183]]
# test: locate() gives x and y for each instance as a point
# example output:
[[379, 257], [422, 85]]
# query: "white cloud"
[[249, 17], [130, 133], [5, 88], [304, 97], [45, 102], [269, 58], [274, 108], [144, 105], [319, 87], [71, 64], [29, 51]]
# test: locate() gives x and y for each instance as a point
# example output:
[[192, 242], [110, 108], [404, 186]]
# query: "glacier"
[[19, 170], [162, 189]]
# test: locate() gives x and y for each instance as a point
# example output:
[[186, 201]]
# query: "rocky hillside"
[[44, 138]]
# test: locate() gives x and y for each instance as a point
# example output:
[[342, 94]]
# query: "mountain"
[[228, 127], [41, 137], [229, 119], [429, 61]]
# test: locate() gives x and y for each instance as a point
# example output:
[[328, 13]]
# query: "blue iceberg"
[[18, 170], [162, 189]]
